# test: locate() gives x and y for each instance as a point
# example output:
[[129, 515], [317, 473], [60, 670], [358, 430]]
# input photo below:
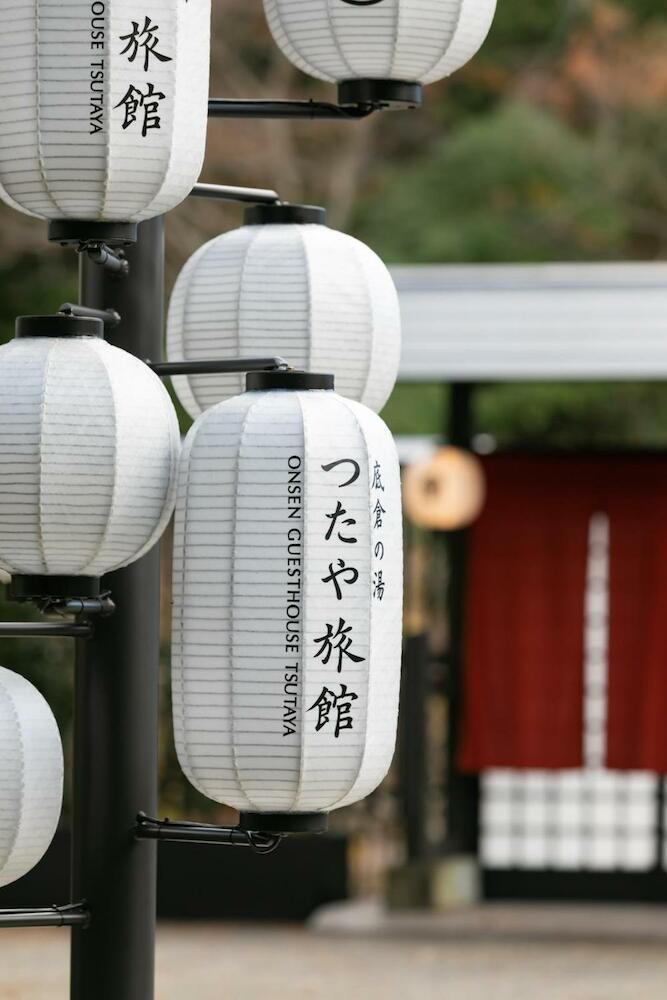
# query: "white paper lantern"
[[89, 447], [31, 777], [287, 601], [103, 106], [293, 289], [377, 48], [446, 491]]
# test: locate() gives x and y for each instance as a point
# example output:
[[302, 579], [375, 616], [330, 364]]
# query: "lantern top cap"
[[59, 326], [285, 215], [288, 380]]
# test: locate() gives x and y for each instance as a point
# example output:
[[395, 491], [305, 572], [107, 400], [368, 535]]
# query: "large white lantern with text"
[[103, 107], [31, 777], [380, 51], [286, 285], [287, 602], [89, 446]]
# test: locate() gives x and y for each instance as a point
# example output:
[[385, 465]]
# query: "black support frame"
[[116, 734], [117, 662]]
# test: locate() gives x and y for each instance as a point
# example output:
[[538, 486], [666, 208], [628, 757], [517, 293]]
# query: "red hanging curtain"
[[637, 707], [523, 690]]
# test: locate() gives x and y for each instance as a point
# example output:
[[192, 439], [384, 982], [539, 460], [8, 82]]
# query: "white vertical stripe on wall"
[[230, 593], [316, 297], [53, 164], [89, 446], [413, 40], [31, 776]]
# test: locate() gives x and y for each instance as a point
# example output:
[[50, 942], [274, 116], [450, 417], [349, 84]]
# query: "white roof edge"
[[437, 277], [564, 322]]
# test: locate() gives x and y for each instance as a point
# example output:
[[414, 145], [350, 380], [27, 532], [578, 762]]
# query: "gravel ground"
[[502, 954]]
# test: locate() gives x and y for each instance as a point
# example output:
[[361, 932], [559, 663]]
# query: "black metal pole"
[[413, 754], [117, 684], [462, 789]]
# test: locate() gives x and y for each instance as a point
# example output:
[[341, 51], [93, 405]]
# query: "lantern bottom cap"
[[30, 588], [285, 215], [288, 380], [391, 94], [73, 232], [285, 823]]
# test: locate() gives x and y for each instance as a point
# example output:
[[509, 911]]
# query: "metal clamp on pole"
[[103, 256], [203, 833], [231, 366], [102, 606], [74, 915]]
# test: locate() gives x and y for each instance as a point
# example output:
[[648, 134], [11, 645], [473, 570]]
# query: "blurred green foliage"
[[32, 284], [515, 184]]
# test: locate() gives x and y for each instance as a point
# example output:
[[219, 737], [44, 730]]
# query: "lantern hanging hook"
[[109, 317]]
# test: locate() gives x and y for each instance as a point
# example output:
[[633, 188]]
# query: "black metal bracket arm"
[[357, 98], [231, 366], [203, 833], [109, 317], [74, 915], [243, 195], [45, 630], [226, 108], [74, 612]]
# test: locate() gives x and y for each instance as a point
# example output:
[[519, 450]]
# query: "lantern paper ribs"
[[89, 443], [286, 651], [419, 41], [31, 777], [304, 292], [103, 107]]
